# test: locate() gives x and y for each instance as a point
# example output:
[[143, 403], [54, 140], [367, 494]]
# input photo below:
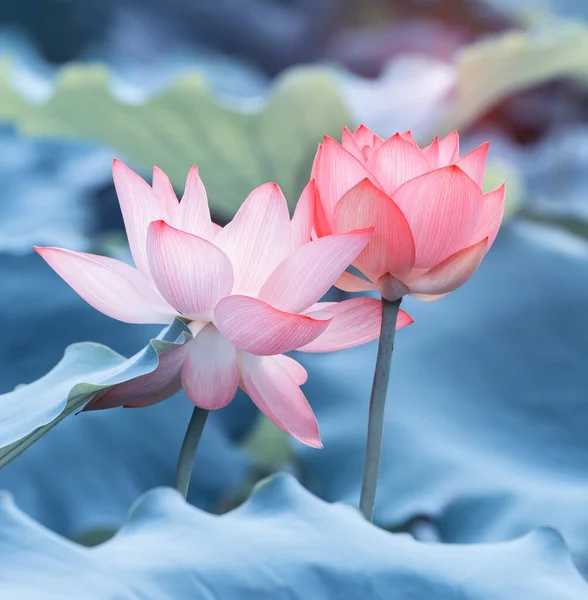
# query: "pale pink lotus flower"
[[433, 224], [249, 292]]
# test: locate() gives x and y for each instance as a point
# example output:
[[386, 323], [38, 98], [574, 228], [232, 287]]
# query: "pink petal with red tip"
[[452, 272], [352, 283], [355, 322], [191, 273], [474, 163], [348, 142], [280, 399], [257, 327], [258, 237], [148, 389], [403, 319], [492, 215], [396, 162], [210, 375], [308, 273], [443, 208], [163, 188], [407, 136], [391, 248], [302, 220], [448, 149], [364, 136], [431, 153], [140, 205], [294, 368], [336, 172], [110, 286], [193, 214]]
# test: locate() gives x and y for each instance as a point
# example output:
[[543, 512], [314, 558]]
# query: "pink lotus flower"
[[433, 224], [249, 292]]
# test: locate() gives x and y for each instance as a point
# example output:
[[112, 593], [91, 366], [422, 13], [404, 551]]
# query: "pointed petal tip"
[[119, 165], [362, 127], [120, 170], [159, 224], [406, 320], [158, 171], [272, 186], [43, 250], [311, 439], [313, 443]]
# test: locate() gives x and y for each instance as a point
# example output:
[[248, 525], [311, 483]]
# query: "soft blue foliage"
[[84, 474], [487, 413], [282, 544], [571, 9], [47, 188], [425, 83], [557, 173], [40, 315], [553, 172], [271, 34], [85, 369], [87, 471]]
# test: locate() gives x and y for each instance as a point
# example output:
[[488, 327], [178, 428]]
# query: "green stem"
[[188, 451], [377, 406]]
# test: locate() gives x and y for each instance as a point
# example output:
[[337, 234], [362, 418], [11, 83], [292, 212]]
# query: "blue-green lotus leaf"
[[86, 472], [31, 410], [283, 544], [487, 412]]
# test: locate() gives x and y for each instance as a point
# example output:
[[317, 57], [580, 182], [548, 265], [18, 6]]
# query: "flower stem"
[[188, 451], [377, 406]]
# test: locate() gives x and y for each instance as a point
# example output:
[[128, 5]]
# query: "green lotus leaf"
[[495, 68], [237, 147]]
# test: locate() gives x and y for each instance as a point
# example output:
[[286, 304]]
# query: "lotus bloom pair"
[[411, 220]]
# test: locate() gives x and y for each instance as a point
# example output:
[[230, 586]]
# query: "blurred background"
[[488, 411]]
